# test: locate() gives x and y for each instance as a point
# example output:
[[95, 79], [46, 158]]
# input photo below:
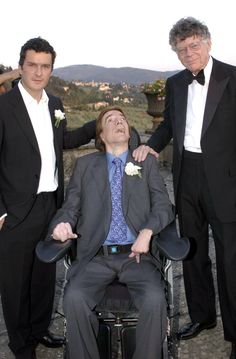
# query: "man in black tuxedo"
[[200, 116], [117, 208], [32, 137]]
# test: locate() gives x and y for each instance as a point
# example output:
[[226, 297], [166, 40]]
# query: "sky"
[[113, 33]]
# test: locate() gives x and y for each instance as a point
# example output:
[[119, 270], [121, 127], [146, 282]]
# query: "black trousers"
[[27, 284], [196, 215]]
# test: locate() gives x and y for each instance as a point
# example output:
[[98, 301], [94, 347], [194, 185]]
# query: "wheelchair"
[[116, 312]]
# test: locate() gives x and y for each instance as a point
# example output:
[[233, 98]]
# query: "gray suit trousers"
[[86, 289]]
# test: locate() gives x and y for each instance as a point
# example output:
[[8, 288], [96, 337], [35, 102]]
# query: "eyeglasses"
[[194, 47]]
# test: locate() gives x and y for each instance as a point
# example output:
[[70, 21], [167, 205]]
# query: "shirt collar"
[[110, 158], [28, 99]]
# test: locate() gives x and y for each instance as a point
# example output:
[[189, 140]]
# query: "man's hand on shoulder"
[[63, 231], [142, 151]]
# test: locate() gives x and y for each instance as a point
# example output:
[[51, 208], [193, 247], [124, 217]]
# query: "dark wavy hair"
[[100, 145], [187, 27], [38, 45]]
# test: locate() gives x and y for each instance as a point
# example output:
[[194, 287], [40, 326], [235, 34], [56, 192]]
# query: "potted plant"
[[156, 88], [155, 94]]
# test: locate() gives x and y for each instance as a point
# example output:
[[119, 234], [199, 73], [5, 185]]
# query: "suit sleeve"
[[163, 134], [80, 136], [77, 137], [70, 210], [161, 210]]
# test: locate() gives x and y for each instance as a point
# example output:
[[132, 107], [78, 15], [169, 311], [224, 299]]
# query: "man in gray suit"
[[104, 252]]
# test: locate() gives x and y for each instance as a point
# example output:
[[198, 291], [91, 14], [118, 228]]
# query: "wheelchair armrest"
[[171, 245], [51, 251], [168, 242]]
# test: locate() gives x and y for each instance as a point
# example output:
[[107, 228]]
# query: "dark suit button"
[[37, 176]]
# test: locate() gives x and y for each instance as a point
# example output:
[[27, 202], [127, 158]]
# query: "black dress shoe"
[[191, 330], [233, 351], [52, 341]]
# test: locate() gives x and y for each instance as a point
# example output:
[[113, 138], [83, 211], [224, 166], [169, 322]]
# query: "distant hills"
[[129, 75]]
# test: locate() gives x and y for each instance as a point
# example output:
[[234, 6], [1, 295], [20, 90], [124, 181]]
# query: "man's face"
[[115, 129], [36, 71], [193, 52]]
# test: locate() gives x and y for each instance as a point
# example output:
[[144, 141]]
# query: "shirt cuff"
[[3, 216]]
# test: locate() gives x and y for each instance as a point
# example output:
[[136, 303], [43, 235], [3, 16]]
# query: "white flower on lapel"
[[133, 170], [59, 116]]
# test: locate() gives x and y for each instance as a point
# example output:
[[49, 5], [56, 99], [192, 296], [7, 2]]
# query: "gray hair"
[[187, 27]]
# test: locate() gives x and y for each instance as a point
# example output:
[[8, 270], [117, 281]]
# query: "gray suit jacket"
[[87, 206]]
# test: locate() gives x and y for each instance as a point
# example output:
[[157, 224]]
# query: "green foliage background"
[[137, 117], [76, 101]]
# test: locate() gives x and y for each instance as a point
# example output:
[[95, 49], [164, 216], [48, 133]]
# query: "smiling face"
[[115, 131], [35, 72], [193, 52]]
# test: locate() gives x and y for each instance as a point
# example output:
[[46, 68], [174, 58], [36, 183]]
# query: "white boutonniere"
[[59, 116], [133, 170]]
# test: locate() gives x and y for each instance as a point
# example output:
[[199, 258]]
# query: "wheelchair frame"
[[170, 247], [121, 324]]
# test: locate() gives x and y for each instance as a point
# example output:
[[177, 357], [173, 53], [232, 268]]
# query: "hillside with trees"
[[83, 100]]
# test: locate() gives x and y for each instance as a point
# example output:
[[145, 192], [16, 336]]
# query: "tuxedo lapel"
[[180, 104], [52, 108], [22, 117], [216, 88]]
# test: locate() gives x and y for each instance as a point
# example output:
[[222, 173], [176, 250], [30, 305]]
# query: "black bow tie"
[[200, 77]]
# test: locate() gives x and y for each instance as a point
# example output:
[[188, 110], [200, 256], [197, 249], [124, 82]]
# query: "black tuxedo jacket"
[[20, 162], [218, 138]]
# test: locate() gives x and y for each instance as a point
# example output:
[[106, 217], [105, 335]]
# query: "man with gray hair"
[[200, 116]]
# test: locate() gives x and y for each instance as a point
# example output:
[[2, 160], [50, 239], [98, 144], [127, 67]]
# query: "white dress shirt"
[[41, 121], [197, 95], [42, 125]]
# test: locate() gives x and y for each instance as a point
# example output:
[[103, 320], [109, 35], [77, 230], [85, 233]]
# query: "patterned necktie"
[[200, 77], [118, 228]]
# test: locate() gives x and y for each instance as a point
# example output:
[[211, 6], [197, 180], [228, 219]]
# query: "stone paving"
[[207, 345]]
